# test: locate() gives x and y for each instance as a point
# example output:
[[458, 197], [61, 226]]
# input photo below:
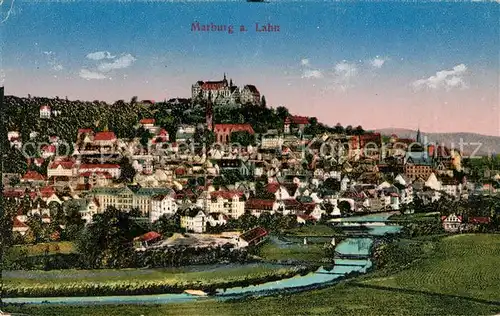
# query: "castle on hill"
[[224, 92]]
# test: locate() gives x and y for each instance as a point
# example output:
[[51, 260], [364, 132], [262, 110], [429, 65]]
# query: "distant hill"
[[489, 144]]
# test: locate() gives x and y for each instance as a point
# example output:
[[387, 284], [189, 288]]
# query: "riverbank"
[[68, 283], [449, 280]]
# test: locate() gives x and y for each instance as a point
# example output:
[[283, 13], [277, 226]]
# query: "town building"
[[127, 197], [223, 131], [163, 204], [224, 92]]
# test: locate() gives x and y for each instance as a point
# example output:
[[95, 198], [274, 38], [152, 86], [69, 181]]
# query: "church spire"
[[419, 140], [225, 77]]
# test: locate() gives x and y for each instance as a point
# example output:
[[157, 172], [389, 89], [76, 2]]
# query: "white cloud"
[[91, 75], [53, 61], [308, 71], [312, 74], [123, 62], [100, 55], [345, 70], [378, 62], [447, 79]]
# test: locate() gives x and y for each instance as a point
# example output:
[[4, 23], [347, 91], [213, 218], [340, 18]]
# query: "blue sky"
[[329, 60]]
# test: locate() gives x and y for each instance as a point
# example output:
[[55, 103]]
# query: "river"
[[321, 277]]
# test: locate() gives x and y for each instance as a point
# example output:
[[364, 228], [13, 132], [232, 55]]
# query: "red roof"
[[85, 130], [479, 220], [49, 148], [63, 164], [259, 204], [306, 217], [18, 224], [148, 236], [219, 128], [272, 187], [147, 121], [291, 202], [299, 120], [251, 235], [47, 191], [100, 136], [13, 193], [163, 132], [33, 175], [226, 194], [87, 174], [100, 166], [309, 206], [45, 107], [213, 85], [445, 217]]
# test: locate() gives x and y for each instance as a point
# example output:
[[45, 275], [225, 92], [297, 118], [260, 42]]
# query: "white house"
[[60, 169], [19, 226], [163, 204], [215, 219], [194, 220], [45, 112], [230, 203], [112, 169], [452, 223]]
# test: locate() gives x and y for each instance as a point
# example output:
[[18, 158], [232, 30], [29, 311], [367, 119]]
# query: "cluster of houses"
[[298, 177]]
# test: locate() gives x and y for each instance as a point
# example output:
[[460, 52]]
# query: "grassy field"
[[291, 249], [314, 230], [461, 277], [45, 283], [40, 249], [416, 216]]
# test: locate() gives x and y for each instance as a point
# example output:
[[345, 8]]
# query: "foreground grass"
[[134, 281], [314, 230], [312, 252], [433, 216], [461, 277], [42, 248]]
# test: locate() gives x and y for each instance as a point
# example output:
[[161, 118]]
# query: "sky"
[[433, 66]]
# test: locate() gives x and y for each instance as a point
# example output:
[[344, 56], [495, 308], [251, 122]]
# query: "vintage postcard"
[[249, 157]]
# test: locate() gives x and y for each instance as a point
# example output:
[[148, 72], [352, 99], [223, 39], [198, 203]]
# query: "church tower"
[[209, 113]]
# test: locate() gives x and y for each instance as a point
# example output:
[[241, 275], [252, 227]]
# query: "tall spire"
[[418, 136], [224, 76]]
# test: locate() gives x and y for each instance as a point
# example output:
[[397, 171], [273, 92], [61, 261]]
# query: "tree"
[[359, 130], [331, 184], [338, 129], [263, 102], [7, 213], [107, 241], [167, 225], [127, 170], [243, 138], [344, 207], [247, 221], [282, 112], [145, 137]]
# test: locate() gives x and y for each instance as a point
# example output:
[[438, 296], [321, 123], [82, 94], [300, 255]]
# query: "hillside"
[[470, 140]]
